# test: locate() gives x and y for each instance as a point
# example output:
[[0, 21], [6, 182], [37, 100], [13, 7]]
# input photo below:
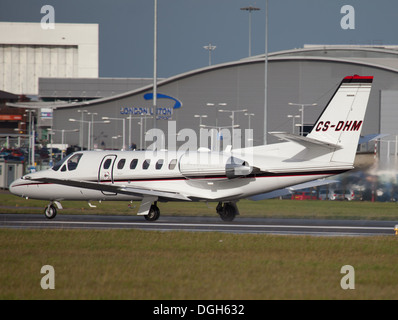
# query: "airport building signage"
[[162, 113]]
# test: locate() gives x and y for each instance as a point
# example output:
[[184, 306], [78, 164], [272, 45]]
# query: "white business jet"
[[223, 177]]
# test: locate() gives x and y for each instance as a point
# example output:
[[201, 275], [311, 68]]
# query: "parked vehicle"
[[349, 195], [337, 194], [353, 195], [11, 154], [304, 195]]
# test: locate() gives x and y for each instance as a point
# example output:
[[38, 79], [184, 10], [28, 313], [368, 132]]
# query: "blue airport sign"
[[163, 113]]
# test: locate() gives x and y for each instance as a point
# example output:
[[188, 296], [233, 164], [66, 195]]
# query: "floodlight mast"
[[266, 76], [155, 38], [210, 48], [250, 9]]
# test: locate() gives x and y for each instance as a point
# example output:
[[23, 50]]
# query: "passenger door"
[[105, 173]]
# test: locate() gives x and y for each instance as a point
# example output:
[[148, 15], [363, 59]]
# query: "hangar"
[[307, 76]]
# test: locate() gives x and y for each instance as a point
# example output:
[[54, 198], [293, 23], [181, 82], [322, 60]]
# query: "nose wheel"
[[50, 211]]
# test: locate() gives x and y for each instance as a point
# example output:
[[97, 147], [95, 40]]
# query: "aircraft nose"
[[15, 187]]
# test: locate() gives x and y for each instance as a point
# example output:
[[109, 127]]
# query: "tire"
[[50, 211], [153, 215], [228, 213]]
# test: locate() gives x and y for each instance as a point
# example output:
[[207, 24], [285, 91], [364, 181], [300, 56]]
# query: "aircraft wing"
[[123, 189], [291, 189]]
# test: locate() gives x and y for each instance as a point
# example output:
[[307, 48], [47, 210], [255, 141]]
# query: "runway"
[[316, 227]]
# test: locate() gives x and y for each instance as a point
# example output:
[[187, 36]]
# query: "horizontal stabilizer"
[[305, 141]]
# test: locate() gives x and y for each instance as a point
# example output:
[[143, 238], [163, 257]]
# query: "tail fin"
[[342, 119]]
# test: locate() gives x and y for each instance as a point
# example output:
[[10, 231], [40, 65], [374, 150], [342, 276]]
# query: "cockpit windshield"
[[59, 164], [69, 163]]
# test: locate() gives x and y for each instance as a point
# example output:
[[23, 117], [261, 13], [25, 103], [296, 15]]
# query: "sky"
[[185, 26]]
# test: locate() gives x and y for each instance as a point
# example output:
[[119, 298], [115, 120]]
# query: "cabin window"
[[159, 164], [121, 163], [172, 164], [133, 164], [107, 163], [146, 163], [74, 161]]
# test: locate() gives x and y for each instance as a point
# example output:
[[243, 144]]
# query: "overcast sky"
[[185, 26]]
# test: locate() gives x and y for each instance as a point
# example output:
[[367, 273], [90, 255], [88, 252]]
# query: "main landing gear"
[[227, 211], [154, 213]]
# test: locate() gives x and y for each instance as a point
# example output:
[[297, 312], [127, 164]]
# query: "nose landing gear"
[[51, 210]]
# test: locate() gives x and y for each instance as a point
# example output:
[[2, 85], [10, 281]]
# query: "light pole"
[[293, 120], [124, 129], [250, 9], [155, 64], [81, 139], [129, 117], [219, 133], [302, 105], [200, 116], [31, 137], [250, 135], [115, 138], [81, 133], [141, 124], [266, 76], [249, 116], [63, 138], [89, 123], [91, 138], [220, 104], [210, 48], [232, 114], [233, 121]]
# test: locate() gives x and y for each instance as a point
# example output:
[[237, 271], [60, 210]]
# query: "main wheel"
[[50, 211], [154, 214], [228, 212]]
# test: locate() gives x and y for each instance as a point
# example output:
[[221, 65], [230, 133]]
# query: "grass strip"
[[134, 264]]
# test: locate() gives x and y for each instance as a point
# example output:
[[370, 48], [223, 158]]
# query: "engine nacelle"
[[236, 168], [213, 165]]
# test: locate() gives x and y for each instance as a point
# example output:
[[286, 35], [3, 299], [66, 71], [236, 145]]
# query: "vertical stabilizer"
[[341, 121]]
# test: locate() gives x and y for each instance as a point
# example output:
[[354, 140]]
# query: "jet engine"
[[213, 165]]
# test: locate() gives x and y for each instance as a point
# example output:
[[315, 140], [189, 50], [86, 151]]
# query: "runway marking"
[[159, 224]]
